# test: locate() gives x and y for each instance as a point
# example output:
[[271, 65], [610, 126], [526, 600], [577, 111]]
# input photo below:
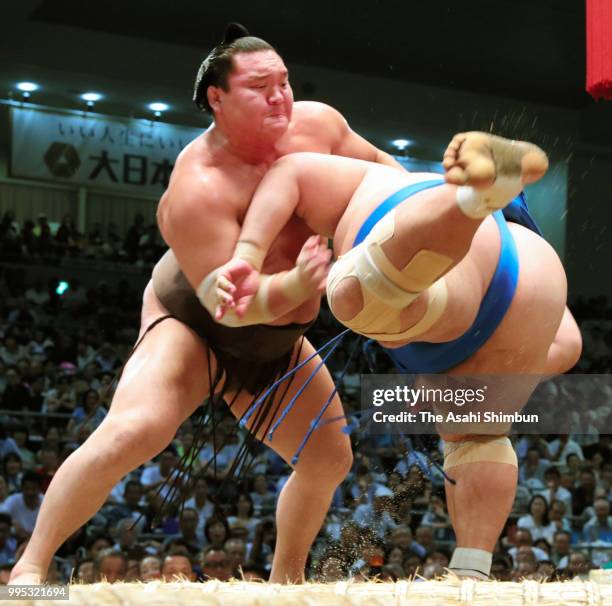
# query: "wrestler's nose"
[[276, 96]]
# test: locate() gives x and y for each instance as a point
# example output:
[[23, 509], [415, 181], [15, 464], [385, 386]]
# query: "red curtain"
[[599, 48]]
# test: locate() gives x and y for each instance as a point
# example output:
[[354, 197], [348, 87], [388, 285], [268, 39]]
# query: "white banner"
[[134, 156]]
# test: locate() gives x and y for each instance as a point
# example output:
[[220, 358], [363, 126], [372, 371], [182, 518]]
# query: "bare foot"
[[26, 574], [477, 159]]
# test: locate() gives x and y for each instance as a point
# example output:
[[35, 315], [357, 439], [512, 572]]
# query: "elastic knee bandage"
[[387, 290], [495, 450]]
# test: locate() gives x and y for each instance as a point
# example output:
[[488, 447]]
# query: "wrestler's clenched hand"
[[237, 283]]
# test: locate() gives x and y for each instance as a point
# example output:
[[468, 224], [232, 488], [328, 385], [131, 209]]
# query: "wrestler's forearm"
[[287, 293]]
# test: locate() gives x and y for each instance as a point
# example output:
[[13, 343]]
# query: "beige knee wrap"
[[387, 290], [495, 450]]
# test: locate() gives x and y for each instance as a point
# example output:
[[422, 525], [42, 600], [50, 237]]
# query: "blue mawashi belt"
[[421, 357]]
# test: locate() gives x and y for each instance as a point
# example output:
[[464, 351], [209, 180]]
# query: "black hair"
[[216, 520], [545, 518], [247, 496], [177, 550], [186, 509], [80, 563], [219, 62], [109, 552], [132, 483], [502, 560], [32, 477], [96, 537]]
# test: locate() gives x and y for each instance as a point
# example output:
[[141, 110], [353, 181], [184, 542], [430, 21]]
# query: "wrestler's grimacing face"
[[259, 97]]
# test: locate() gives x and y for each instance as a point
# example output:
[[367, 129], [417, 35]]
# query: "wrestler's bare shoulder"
[[198, 187], [318, 119], [315, 110]]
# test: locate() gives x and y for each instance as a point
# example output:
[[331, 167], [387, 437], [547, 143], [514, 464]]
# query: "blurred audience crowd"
[[48, 241]]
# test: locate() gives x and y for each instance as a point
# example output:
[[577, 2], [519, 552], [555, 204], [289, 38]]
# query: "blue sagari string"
[[356, 422], [288, 374], [315, 423], [299, 392]]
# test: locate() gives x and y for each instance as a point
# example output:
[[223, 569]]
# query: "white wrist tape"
[[251, 253], [257, 313], [293, 287]]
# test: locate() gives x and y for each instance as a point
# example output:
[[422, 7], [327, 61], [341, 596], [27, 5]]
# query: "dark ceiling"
[[533, 50]]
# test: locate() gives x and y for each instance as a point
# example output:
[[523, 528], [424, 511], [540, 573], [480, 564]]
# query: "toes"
[[479, 169], [453, 147], [448, 162], [534, 165], [457, 141], [453, 154], [456, 176]]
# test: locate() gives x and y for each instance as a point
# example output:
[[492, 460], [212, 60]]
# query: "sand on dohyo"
[[446, 592]]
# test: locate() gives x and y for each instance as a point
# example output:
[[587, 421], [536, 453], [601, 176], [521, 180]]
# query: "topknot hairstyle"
[[219, 62]]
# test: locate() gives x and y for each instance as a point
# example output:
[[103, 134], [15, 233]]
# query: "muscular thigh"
[[328, 443], [166, 377]]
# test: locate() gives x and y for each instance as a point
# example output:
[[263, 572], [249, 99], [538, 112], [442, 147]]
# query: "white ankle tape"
[[469, 562], [479, 203]]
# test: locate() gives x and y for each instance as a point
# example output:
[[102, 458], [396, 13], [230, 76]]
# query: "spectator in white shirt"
[[188, 532], [162, 473], [243, 516], [561, 548], [537, 521], [10, 351], [533, 467], [556, 514], [85, 355], [523, 538], [605, 480], [7, 445], [12, 470], [554, 491], [201, 503], [599, 527], [23, 506], [562, 447], [39, 343], [263, 498]]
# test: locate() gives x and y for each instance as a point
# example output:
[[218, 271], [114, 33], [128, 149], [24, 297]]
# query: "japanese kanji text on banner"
[[104, 152]]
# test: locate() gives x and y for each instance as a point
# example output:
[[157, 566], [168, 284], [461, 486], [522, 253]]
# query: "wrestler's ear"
[[213, 93]]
